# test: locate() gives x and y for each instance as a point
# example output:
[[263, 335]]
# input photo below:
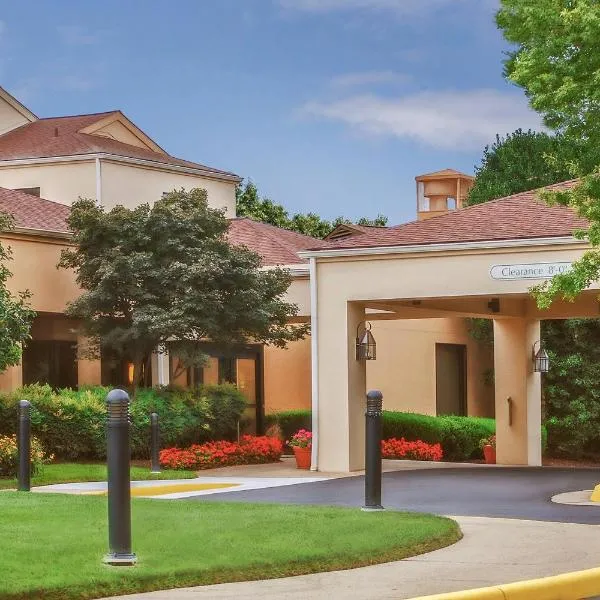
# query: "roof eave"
[[443, 247]]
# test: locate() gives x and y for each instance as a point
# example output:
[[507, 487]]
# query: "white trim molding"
[[314, 359], [452, 246]]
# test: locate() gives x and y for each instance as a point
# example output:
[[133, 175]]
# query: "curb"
[[570, 586]]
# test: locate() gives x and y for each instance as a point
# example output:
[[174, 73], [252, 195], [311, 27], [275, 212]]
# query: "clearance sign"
[[529, 271]]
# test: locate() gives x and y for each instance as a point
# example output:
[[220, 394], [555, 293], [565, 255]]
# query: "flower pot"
[[302, 457], [489, 452]]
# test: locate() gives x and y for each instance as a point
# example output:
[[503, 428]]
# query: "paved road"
[[522, 493]]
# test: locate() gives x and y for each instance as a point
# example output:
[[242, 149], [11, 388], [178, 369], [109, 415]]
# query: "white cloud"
[[460, 120], [369, 78]]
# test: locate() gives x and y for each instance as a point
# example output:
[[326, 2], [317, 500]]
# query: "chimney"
[[441, 192]]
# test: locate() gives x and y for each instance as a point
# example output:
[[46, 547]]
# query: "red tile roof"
[[31, 212], [521, 216], [277, 246], [60, 136]]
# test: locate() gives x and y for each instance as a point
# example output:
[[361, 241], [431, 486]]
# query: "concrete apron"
[[492, 552], [176, 489]]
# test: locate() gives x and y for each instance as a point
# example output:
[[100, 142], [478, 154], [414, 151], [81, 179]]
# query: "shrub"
[[249, 451], [72, 424], [290, 421], [417, 450], [9, 456], [458, 436]]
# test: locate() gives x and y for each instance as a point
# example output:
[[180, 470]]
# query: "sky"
[[329, 106]]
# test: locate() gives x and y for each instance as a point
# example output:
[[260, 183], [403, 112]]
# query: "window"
[[51, 362], [451, 203], [32, 191]]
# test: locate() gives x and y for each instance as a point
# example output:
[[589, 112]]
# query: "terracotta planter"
[[489, 452], [302, 457]]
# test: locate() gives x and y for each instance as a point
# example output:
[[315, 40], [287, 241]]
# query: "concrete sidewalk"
[[493, 551]]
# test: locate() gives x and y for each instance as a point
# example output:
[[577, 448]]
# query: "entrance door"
[[451, 379], [50, 361]]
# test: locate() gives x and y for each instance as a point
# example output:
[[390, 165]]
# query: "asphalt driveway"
[[521, 493]]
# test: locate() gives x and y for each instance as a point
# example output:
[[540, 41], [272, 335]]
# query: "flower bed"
[[250, 450], [417, 450]]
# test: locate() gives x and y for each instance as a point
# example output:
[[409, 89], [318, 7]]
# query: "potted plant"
[[301, 443], [488, 445]]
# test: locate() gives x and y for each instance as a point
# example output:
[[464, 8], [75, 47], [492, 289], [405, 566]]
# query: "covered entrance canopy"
[[479, 261]]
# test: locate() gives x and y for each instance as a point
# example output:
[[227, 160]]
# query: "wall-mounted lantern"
[[541, 360], [366, 347]]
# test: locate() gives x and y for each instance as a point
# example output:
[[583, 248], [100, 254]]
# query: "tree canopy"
[[16, 315], [251, 204], [521, 161], [166, 273], [556, 60]]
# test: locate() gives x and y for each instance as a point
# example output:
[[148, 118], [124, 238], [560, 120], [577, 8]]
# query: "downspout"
[[98, 182], [314, 357]]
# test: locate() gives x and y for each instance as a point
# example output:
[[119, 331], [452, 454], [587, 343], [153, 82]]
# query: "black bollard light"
[[373, 451], [119, 492], [155, 443], [24, 445]]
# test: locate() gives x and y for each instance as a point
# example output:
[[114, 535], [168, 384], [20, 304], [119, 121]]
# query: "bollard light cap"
[[117, 396], [24, 404], [374, 395]]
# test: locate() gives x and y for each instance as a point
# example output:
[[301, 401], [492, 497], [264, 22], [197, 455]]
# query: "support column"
[[12, 378], [518, 420], [89, 371], [160, 368], [342, 389]]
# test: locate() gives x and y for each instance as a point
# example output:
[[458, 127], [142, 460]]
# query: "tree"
[[16, 315], [521, 161], [166, 274], [556, 60], [250, 204]]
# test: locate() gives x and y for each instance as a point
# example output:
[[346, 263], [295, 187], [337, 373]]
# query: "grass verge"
[[53, 544], [75, 472]]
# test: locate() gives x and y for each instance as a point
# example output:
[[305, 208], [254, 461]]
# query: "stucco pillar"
[[518, 442], [11, 378], [89, 372], [342, 387], [160, 368]]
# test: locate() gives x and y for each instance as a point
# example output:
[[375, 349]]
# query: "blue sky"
[[331, 106]]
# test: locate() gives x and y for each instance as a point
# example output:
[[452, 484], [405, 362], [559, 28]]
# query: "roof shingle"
[[60, 136], [31, 212], [521, 216], [276, 246]]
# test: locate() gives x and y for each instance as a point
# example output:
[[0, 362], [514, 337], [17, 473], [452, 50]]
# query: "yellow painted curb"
[[173, 488], [570, 586], [595, 497]]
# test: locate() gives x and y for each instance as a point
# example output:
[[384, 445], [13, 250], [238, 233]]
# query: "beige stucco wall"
[[59, 182], [10, 118], [287, 383], [131, 185], [405, 370], [34, 269]]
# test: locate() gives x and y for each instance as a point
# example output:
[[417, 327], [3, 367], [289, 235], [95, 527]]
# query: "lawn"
[[73, 472], [52, 545]]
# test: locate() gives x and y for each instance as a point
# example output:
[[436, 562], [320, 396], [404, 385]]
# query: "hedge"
[[71, 424], [458, 436]]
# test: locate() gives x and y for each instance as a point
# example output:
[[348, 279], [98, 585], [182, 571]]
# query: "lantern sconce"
[[541, 360], [366, 347]]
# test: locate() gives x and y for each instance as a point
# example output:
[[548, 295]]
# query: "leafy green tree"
[[16, 315], [162, 274], [556, 60], [250, 204], [521, 161]]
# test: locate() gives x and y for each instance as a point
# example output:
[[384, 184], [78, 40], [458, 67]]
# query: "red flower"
[[417, 450]]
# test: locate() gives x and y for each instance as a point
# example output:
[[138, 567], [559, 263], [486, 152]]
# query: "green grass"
[[52, 545], [73, 472]]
